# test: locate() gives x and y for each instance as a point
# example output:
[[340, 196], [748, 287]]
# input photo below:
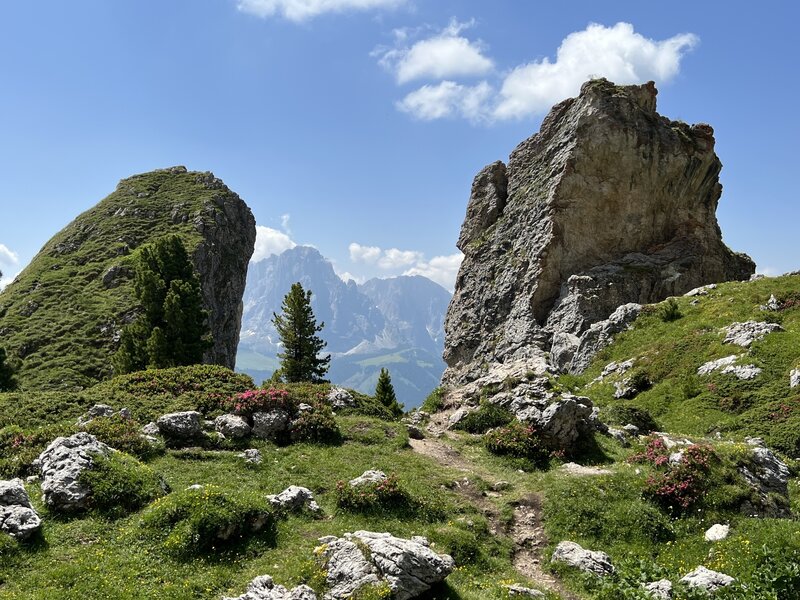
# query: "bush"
[[518, 440], [196, 521], [485, 418], [20, 447], [434, 402], [373, 497], [670, 311], [120, 484], [253, 401], [677, 486], [152, 393], [622, 414], [123, 434], [317, 425]]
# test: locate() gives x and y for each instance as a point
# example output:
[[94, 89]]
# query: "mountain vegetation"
[[298, 328], [173, 327]]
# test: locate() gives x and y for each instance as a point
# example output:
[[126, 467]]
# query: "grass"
[[670, 352]]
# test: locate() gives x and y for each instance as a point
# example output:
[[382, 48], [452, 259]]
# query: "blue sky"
[[356, 126]]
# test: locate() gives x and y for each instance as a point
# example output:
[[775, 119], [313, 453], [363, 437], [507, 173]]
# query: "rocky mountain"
[[60, 319], [609, 204], [395, 323]]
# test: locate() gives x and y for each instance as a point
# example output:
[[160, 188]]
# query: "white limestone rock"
[[588, 561], [707, 579]]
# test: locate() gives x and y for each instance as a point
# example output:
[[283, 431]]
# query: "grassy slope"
[[670, 353], [57, 320]]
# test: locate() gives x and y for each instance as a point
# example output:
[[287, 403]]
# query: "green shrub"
[[252, 401], [669, 311], [197, 521], [373, 497], [434, 402], [123, 434], [317, 425], [152, 393], [120, 484], [485, 418], [623, 414], [518, 440], [20, 447]]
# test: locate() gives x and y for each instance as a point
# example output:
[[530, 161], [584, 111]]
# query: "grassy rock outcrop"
[[61, 318]]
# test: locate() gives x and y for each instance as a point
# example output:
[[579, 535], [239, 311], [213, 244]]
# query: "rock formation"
[[609, 204], [61, 318]]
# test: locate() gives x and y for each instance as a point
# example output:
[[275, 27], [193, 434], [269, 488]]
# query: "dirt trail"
[[526, 529]]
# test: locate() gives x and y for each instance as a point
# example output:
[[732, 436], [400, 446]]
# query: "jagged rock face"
[[61, 318], [610, 203]]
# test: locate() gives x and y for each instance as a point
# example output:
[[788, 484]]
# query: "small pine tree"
[[384, 393], [173, 327], [297, 328], [7, 381]]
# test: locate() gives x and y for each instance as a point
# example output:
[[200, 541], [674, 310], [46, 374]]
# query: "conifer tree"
[[384, 393], [173, 327], [297, 328]]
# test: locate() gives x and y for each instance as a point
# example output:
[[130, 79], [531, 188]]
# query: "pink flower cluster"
[[252, 401]]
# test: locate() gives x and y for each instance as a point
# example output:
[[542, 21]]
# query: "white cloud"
[[366, 254], [446, 54], [394, 258], [9, 261], [448, 99], [441, 269], [270, 241], [303, 10], [285, 223], [617, 53]]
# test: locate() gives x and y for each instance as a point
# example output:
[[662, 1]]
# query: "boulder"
[[794, 378], [609, 204], [368, 477], [232, 426], [13, 492], [294, 499], [701, 291], [717, 532], [563, 421], [408, 566], [98, 410], [264, 588], [715, 365], [588, 561], [743, 372], [415, 432], [20, 522], [61, 465], [251, 456], [660, 590], [17, 516], [706, 579], [518, 591], [744, 334], [772, 304], [768, 475], [181, 426], [340, 398], [151, 429], [271, 425]]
